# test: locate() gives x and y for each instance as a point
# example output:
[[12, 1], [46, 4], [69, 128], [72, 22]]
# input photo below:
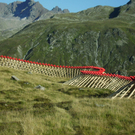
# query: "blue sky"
[[75, 5]]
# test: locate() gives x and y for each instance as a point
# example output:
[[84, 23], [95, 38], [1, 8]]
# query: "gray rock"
[[29, 72], [81, 89], [40, 87], [14, 78], [26, 83]]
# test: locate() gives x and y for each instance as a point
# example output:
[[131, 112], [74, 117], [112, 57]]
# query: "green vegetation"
[[107, 43], [59, 109], [100, 36]]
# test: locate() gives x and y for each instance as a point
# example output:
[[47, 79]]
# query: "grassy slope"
[[39, 31], [66, 49], [88, 37], [60, 109]]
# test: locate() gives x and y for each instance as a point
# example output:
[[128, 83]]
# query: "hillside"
[[101, 36], [61, 42], [59, 109], [37, 104]]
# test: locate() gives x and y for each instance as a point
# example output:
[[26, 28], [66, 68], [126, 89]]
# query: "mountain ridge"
[[25, 9], [23, 13]]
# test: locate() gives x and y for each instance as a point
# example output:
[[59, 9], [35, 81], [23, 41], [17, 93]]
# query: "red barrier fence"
[[60, 66], [107, 74], [100, 71]]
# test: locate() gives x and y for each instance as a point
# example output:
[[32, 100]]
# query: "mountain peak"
[[131, 1], [56, 9], [29, 9], [59, 10], [30, 1]]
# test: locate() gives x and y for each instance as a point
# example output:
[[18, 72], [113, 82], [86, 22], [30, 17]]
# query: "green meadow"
[[60, 109]]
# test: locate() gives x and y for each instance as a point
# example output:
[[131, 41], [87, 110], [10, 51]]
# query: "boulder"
[[40, 87], [14, 78]]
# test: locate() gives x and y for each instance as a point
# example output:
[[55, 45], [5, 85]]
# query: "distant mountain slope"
[[109, 44], [28, 9], [100, 36], [22, 13]]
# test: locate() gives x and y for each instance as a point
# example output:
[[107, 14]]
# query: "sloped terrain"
[[108, 44], [101, 36], [59, 109]]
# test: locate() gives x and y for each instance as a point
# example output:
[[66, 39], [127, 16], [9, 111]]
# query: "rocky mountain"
[[26, 10], [59, 10], [19, 14], [101, 36]]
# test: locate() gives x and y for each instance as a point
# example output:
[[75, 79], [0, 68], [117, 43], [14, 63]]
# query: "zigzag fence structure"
[[82, 76], [43, 68]]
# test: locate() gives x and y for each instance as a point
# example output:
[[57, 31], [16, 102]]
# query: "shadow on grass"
[[6, 71], [11, 128], [12, 106], [65, 105], [43, 106], [85, 92], [62, 82]]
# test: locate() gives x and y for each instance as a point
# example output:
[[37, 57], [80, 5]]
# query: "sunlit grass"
[[59, 109]]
